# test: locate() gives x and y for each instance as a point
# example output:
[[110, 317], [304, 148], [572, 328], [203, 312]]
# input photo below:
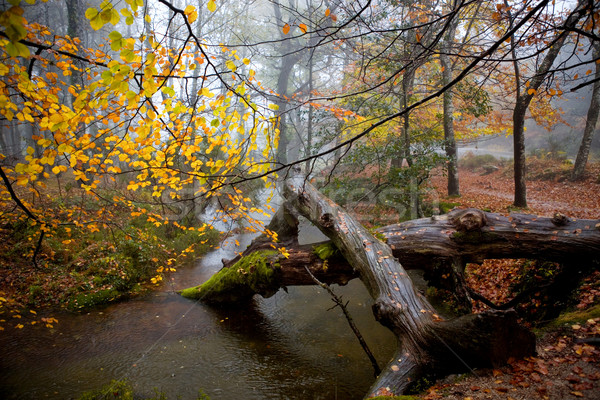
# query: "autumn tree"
[[160, 107], [591, 120]]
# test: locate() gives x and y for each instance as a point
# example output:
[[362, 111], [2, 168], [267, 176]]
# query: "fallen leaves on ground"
[[566, 367], [495, 192], [568, 362]]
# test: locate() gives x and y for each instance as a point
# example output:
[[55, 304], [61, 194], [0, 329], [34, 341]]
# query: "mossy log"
[[264, 271]]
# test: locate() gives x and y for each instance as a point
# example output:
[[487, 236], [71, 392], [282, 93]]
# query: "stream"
[[290, 346]]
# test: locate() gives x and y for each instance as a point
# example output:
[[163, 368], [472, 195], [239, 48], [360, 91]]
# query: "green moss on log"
[[325, 251], [253, 274]]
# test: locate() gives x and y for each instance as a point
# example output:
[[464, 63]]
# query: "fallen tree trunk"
[[427, 343], [440, 243], [473, 236]]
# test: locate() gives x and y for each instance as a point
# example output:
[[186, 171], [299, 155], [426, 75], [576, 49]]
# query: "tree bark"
[[590, 123]]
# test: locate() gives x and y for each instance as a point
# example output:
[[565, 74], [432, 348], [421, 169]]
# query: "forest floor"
[[548, 189], [567, 364]]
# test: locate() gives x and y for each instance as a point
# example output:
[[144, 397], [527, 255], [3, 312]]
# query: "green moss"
[[123, 390], [446, 207], [85, 301], [577, 316], [255, 273], [325, 250]]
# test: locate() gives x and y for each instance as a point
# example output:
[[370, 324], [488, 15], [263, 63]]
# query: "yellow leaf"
[[274, 107], [286, 29], [206, 92], [56, 170], [114, 16], [189, 9], [303, 28], [191, 13], [91, 13], [17, 50], [212, 6], [231, 65], [246, 61]]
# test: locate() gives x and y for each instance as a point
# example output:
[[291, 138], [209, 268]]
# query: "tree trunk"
[[590, 123], [524, 99], [520, 163], [427, 343], [448, 96]]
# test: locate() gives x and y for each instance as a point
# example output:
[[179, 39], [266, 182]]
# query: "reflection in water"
[[287, 346]]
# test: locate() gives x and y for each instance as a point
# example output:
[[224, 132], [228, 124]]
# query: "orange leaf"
[[286, 29], [333, 17], [531, 91], [303, 28], [327, 12]]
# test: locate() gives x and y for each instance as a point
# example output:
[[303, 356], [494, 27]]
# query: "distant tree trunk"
[[309, 128], [449, 139], [520, 163], [590, 124]]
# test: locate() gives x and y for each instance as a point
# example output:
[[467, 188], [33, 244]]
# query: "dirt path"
[[495, 192]]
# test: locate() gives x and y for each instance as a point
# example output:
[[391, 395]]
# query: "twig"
[[338, 301], [22, 206]]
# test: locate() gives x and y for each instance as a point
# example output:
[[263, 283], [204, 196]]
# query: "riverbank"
[[123, 252]]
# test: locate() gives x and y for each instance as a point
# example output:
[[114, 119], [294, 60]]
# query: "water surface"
[[286, 347]]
